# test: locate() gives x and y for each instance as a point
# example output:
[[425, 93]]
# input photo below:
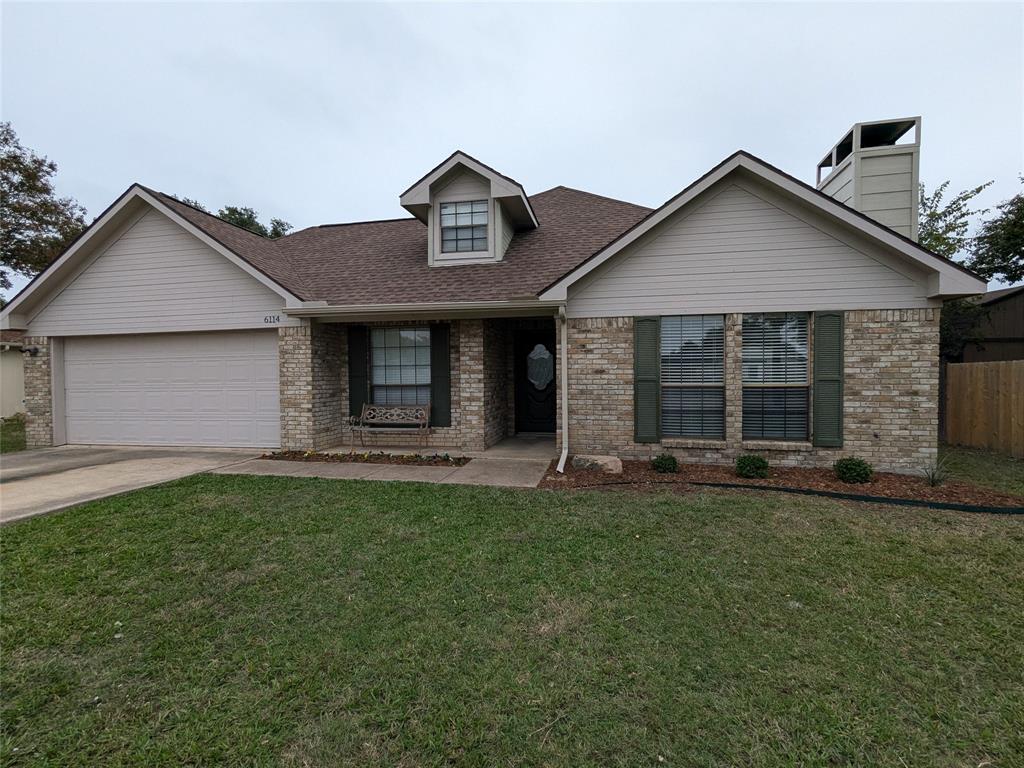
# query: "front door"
[[536, 396]]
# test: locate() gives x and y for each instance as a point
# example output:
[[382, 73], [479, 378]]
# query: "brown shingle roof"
[[385, 262]]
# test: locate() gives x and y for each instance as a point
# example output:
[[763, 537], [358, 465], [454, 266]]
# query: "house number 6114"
[[271, 319]]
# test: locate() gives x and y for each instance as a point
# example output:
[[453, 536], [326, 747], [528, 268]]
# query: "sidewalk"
[[505, 472]]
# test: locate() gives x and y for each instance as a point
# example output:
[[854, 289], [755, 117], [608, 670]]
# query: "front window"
[[464, 226], [400, 366], [775, 376], [692, 376]]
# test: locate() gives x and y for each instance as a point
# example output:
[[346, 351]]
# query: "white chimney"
[[872, 173]]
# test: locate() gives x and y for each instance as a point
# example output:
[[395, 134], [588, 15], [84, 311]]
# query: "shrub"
[[666, 464], [853, 470], [937, 473], [752, 465]]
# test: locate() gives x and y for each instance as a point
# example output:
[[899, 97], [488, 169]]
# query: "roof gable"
[[114, 220], [946, 277], [417, 198], [740, 248]]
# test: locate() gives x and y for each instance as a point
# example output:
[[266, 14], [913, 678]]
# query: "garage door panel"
[[173, 389]]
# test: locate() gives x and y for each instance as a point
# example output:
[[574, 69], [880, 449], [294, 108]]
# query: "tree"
[[244, 217], [248, 219], [943, 228], [999, 247], [35, 224]]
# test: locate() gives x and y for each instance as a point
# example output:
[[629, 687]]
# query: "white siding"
[[465, 185], [158, 277], [506, 231], [737, 252], [887, 190]]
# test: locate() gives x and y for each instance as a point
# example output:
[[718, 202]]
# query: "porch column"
[[471, 384], [311, 361]]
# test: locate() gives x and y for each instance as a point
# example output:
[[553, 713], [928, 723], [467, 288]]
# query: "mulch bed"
[[638, 475], [379, 457]]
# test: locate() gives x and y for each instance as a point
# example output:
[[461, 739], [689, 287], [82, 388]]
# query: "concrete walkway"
[[35, 482], [507, 472]]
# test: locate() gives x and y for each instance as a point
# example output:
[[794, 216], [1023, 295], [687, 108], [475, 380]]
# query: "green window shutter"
[[440, 376], [358, 360], [828, 380], [647, 379]]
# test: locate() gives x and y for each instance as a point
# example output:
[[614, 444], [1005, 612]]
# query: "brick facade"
[[38, 393], [890, 394]]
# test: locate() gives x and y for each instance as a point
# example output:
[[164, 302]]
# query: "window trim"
[[806, 385], [663, 385]]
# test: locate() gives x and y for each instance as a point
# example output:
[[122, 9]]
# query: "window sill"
[[777, 445], [692, 442]]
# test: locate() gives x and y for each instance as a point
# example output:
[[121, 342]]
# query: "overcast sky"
[[321, 113]]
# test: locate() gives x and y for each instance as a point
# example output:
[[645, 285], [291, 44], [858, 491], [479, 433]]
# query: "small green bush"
[[853, 470], [666, 464], [751, 465]]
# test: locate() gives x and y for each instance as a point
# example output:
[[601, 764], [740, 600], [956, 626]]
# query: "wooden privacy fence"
[[985, 406]]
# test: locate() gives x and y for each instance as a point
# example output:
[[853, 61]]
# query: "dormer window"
[[464, 226]]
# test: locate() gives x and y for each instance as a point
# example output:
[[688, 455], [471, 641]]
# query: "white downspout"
[[563, 357]]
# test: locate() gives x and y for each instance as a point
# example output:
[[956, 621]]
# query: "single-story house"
[[12, 374], [750, 312]]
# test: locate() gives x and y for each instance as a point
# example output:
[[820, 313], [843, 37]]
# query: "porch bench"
[[391, 419]]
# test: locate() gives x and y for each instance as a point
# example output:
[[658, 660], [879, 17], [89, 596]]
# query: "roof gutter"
[[563, 362], [424, 311]]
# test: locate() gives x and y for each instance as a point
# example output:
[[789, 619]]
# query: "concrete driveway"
[[34, 482]]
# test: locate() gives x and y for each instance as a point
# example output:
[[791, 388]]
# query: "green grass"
[[12, 435], [986, 468], [285, 621]]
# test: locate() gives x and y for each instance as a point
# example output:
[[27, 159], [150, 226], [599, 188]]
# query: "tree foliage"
[[35, 224], [244, 217], [999, 246], [248, 219], [944, 227]]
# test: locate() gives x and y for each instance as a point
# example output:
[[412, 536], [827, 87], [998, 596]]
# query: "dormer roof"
[[417, 198]]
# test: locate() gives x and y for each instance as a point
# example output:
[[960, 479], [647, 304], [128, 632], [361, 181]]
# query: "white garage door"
[[173, 389]]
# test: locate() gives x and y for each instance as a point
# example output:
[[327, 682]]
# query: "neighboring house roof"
[[1003, 293], [11, 337]]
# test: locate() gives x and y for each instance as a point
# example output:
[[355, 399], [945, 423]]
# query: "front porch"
[[486, 379]]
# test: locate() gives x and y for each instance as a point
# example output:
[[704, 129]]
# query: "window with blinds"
[[692, 376], [400, 366], [775, 376]]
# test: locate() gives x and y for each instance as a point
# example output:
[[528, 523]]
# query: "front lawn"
[[284, 621]]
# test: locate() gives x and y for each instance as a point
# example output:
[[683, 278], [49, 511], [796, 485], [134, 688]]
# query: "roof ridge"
[[594, 194], [357, 223]]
